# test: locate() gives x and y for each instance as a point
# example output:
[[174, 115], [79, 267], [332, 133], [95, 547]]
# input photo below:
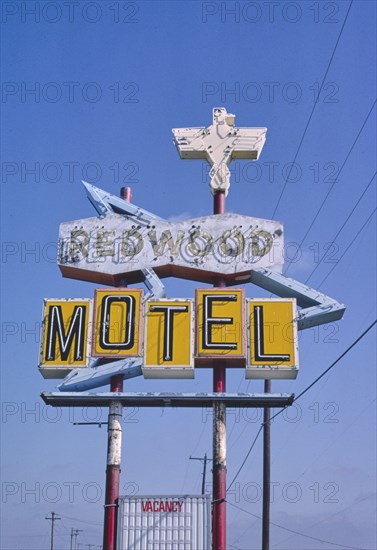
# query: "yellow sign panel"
[[220, 332], [65, 336], [117, 330], [168, 346], [220, 321], [272, 336]]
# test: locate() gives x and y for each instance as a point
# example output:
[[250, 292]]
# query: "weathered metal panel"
[[273, 339], [161, 399], [118, 315], [98, 375], [169, 339], [65, 337], [220, 324], [117, 248], [167, 522]]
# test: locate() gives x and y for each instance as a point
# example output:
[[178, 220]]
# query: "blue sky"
[[110, 81]]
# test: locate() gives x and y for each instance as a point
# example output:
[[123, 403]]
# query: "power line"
[[234, 443], [185, 476], [335, 181], [354, 343], [328, 517], [296, 532], [205, 423], [19, 535], [246, 457], [314, 106], [343, 225], [200, 436], [250, 526], [333, 441], [81, 520], [348, 247]]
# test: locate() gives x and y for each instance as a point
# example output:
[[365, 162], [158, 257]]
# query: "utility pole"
[[90, 546], [53, 518], [75, 533], [204, 460], [266, 472]]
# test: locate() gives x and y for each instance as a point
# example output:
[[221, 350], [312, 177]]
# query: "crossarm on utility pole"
[[204, 460], [53, 518]]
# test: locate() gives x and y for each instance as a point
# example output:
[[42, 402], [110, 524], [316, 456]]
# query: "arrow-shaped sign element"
[[106, 203]]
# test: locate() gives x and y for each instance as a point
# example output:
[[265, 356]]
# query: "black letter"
[[129, 337], [259, 339], [168, 312], [209, 321], [75, 331]]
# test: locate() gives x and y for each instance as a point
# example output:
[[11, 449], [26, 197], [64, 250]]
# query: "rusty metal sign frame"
[[150, 399]]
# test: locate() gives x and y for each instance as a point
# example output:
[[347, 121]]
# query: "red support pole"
[[113, 466], [126, 193], [114, 448], [219, 434], [219, 203]]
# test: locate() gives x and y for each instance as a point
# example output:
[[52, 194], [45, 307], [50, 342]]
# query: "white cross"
[[219, 144]]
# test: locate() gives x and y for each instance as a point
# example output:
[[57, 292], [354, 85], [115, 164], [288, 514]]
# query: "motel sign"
[[122, 333], [172, 336]]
